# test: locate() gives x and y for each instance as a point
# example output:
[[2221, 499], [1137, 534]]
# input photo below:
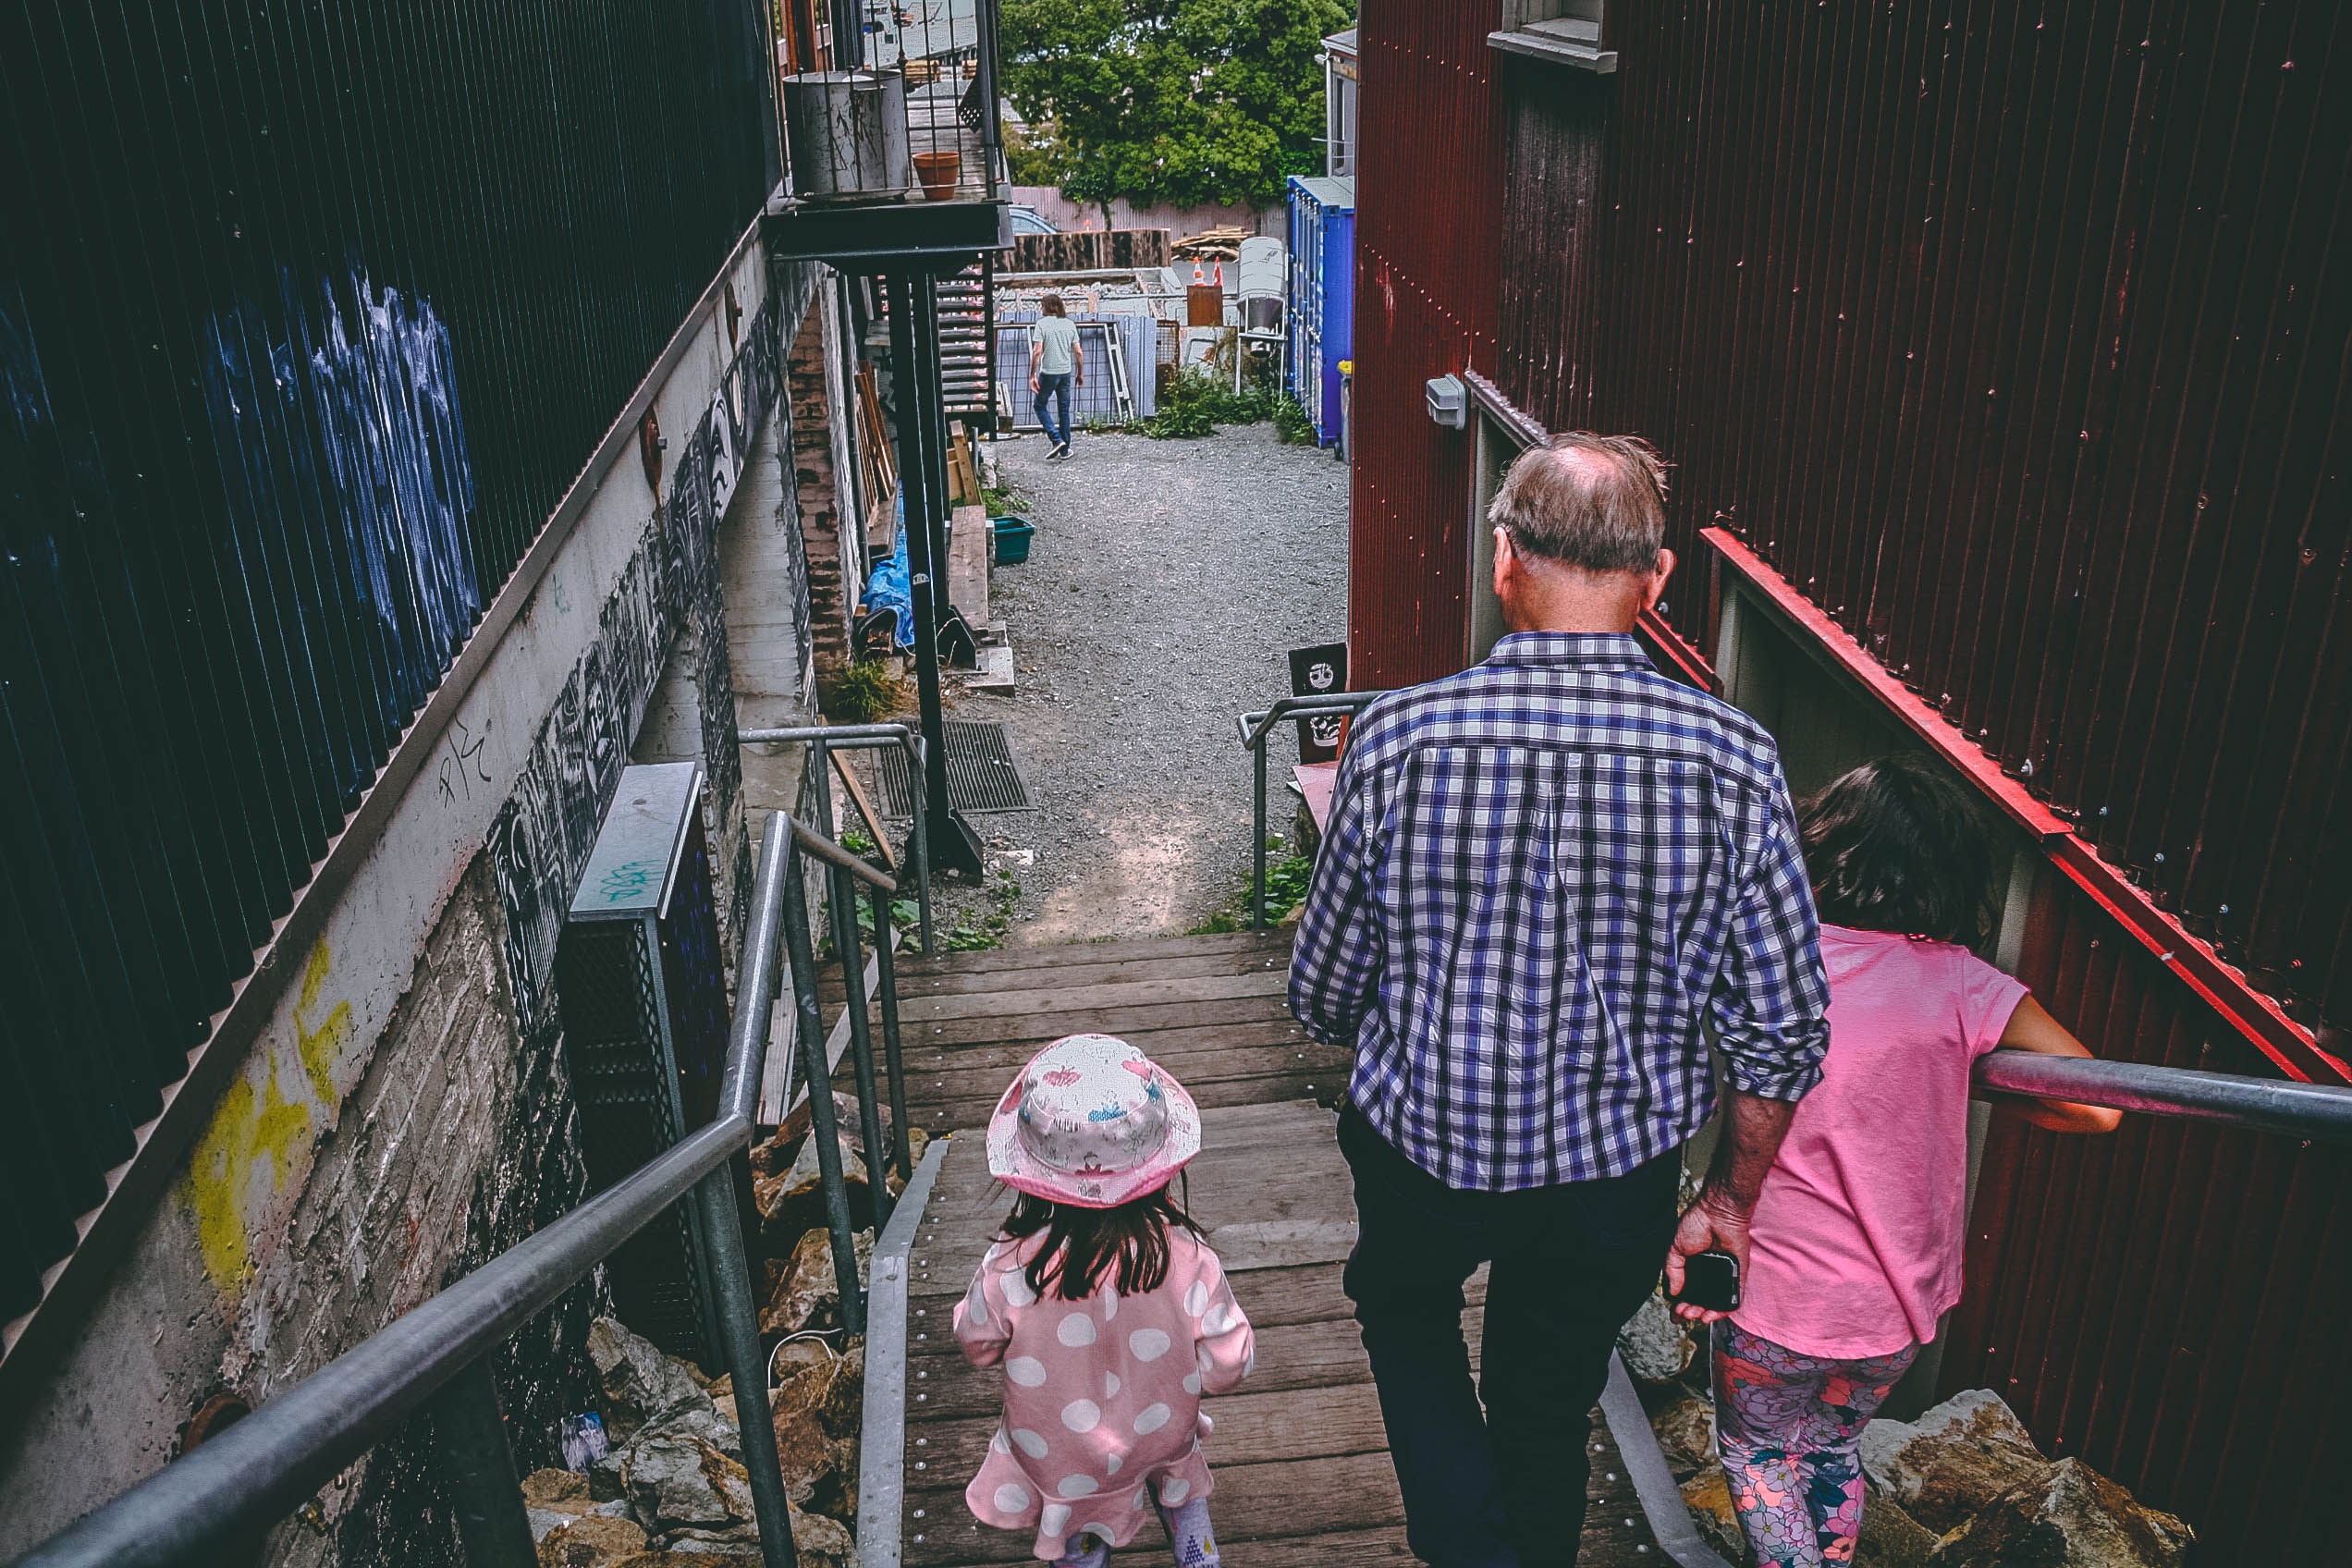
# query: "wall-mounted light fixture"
[[1448, 401]]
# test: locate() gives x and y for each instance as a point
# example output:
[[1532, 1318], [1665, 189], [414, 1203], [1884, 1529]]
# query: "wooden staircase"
[[1303, 1472]]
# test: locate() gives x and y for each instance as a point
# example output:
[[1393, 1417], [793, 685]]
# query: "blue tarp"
[[891, 588]]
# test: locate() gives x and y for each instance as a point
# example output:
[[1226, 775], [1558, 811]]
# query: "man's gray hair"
[[1598, 502]]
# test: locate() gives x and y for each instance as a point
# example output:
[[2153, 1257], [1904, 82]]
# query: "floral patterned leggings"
[[1789, 1427]]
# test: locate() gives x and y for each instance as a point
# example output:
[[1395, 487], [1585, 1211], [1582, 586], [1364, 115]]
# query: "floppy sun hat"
[[1092, 1121]]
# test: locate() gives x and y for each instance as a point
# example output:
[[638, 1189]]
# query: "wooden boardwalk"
[[1303, 1472]]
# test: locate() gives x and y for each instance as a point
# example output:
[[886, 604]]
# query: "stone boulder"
[[1685, 1429], [677, 1478], [1892, 1538], [1954, 1461], [1707, 1495], [817, 1411], [591, 1541], [638, 1383], [1655, 1344], [2070, 1517], [806, 1293]]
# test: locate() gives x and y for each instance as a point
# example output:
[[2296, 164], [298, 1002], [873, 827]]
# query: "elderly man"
[[1541, 875]]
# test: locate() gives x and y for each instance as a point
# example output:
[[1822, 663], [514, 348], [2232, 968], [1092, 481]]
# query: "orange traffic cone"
[[1198, 275], [1220, 274]]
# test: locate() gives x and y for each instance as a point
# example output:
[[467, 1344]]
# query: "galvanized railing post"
[[470, 1440], [728, 1268], [919, 837], [821, 761], [1257, 836], [886, 976], [809, 1031], [844, 907]]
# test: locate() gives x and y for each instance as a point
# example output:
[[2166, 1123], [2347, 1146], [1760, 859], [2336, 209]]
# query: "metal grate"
[[981, 774]]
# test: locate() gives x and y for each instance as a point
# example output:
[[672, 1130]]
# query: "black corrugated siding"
[[309, 314], [1428, 221], [2016, 337]]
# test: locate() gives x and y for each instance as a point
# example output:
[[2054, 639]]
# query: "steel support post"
[[844, 908], [914, 323], [809, 1030], [470, 1439], [886, 973], [728, 1268]]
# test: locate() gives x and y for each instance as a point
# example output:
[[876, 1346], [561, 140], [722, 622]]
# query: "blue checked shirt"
[[1538, 874]]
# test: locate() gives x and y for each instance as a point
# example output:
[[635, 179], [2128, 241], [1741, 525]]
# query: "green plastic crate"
[[1010, 537]]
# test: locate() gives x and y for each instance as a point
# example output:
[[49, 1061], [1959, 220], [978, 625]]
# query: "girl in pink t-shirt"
[[1105, 1308], [1855, 1249]]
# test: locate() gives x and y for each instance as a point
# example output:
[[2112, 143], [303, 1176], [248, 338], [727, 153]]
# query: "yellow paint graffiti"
[[252, 1127], [320, 1047]]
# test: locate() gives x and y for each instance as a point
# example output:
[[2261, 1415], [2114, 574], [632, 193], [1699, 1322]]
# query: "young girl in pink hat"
[[1107, 1309]]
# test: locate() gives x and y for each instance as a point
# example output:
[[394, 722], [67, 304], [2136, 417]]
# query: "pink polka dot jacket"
[[1101, 1396]]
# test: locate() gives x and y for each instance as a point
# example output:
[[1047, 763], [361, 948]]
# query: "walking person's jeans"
[[1569, 1264], [1050, 387]]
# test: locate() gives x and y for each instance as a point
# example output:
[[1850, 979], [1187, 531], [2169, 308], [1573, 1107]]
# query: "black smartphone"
[[1710, 1280]]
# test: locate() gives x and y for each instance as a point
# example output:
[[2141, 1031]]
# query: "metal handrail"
[[1255, 726], [2318, 1111], [824, 739], [254, 1472]]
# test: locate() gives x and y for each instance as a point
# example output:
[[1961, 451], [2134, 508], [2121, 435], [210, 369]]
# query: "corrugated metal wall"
[[307, 318], [2016, 337], [1428, 224], [2165, 1303]]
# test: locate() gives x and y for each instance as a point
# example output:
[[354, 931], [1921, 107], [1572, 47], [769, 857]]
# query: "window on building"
[[1566, 31]]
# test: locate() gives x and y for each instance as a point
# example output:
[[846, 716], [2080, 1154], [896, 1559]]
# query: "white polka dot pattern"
[[1174, 1490], [1102, 1397]]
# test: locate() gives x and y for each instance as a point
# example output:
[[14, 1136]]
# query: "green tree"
[[1176, 101]]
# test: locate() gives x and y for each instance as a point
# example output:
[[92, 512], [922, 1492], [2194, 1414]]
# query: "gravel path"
[[1167, 581]]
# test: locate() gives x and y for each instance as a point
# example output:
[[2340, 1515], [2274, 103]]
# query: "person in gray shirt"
[[1056, 363]]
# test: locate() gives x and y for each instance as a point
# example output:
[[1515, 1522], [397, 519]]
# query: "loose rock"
[[1654, 1342], [1890, 1537], [2073, 1517], [640, 1383], [1952, 1462], [591, 1542], [1707, 1495], [1686, 1432], [807, 1293], [558, 1491]]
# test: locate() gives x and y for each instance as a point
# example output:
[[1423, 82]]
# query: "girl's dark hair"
[[1899, 845], [1082, 1245], [1051, 305]]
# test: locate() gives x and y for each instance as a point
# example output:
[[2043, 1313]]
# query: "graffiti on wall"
[[540, 841]]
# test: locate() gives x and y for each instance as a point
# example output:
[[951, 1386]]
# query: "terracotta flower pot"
[[939, 172]]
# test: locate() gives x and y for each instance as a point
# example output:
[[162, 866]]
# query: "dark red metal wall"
[[2166, 1304], [2013, 334], [1427, 217]]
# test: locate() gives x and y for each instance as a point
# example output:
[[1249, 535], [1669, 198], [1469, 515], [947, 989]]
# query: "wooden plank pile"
[[1222, 244]]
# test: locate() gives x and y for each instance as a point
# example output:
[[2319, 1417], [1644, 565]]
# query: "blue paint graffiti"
[[341, 443]]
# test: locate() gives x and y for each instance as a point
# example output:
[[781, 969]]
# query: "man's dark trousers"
[[1570, 1264]]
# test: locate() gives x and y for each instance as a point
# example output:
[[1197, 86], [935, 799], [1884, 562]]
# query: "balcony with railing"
[[895, 150]]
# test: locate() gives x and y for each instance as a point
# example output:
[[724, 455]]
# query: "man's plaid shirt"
[[1537, 873]]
